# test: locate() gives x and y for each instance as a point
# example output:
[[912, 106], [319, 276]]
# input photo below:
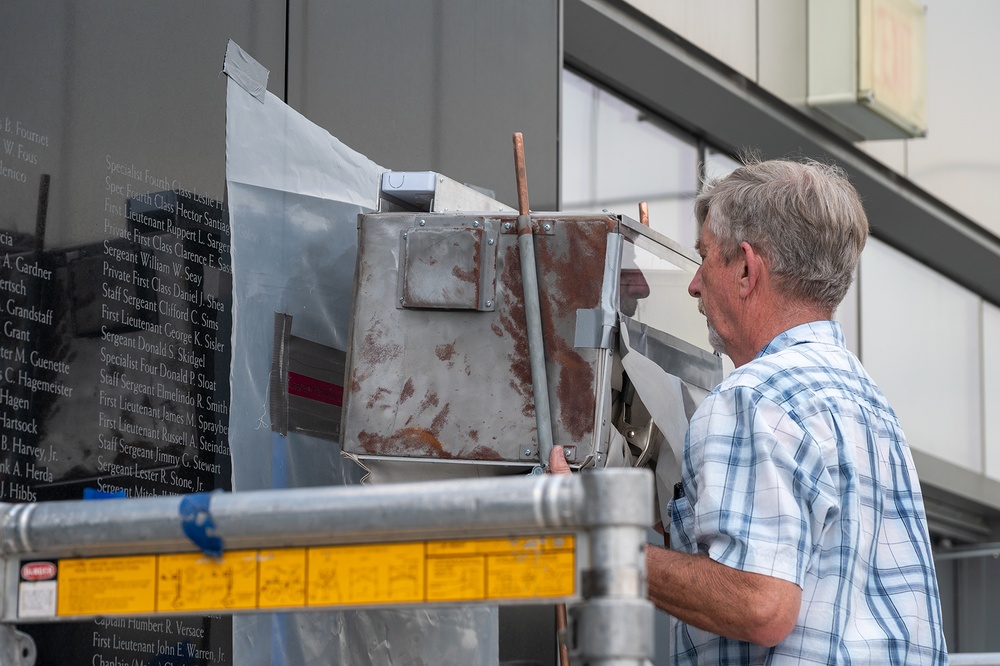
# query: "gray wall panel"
[[436, 85], [105, 107]]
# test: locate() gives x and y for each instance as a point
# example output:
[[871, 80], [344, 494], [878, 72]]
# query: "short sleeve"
[[753, 474]]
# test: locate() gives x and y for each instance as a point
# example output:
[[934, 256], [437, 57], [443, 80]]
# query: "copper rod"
[[521, 174], [644, 213], [561, 634]]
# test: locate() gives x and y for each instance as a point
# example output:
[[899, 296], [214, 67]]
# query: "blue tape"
[[95, 494], [196, 520]]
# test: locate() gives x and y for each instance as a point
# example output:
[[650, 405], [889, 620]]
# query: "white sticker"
[[37, 599]]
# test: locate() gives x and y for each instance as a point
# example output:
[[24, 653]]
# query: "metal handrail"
[[609, 510]]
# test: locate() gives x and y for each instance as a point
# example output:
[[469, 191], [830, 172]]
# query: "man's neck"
[[763, 324]]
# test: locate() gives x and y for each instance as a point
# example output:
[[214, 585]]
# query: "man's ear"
[[753, 269]]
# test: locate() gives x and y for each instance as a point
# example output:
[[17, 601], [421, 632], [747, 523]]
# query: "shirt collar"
[[829, 332]]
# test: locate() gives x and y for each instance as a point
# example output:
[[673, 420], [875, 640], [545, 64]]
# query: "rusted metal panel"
[[447, 268], [433, 377]]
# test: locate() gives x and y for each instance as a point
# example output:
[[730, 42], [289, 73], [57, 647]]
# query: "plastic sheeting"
[[670, 399], [295, 193]]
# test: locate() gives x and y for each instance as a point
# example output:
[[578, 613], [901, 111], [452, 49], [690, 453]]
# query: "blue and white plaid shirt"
[[796, 467]]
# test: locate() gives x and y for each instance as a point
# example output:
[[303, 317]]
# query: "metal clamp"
[[16, 647]]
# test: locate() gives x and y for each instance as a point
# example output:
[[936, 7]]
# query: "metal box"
[[867, 67], [438, 365]]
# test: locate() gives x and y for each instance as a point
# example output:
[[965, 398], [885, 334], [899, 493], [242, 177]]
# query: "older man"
[[799, 529]]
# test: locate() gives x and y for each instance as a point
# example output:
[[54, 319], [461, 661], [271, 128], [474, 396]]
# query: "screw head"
[[507, 226], [475, 223], [527, 452], [489, 304], [547, 226], [489, 242], [423, 222]]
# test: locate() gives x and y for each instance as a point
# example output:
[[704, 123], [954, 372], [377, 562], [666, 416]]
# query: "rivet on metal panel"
[[490, 241], [507, 226], [475, 223], [489, 304], [527, 452], [547, 227], [423, 222], [400, 299], [630, 433]]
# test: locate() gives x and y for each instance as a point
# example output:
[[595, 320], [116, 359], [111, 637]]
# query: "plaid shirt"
[[796, 467]]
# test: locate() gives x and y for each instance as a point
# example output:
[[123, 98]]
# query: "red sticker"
[[38, 571], [315, 389]]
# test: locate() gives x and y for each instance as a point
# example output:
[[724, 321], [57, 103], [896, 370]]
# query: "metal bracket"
[[16, 647], [539, 227], [529, 452]]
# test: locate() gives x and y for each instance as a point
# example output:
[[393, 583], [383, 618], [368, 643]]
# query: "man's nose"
[[694, 289]]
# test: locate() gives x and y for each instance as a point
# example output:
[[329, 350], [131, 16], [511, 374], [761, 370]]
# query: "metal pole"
[[532, 310], [614, 626], [991, 549], [974, 659], [295, 517]]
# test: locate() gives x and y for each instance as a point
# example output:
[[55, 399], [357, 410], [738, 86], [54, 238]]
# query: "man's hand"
[[557, 461]]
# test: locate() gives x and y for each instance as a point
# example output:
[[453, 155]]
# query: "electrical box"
[[867, 73]]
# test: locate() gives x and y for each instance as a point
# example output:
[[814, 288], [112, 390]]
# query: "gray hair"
[[805, 218]]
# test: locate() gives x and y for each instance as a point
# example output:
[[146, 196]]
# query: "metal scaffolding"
[[576, 538]]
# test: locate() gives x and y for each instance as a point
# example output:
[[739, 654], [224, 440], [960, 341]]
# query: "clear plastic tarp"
[[295, 193]]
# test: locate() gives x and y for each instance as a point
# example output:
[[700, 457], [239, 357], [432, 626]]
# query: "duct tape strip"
[[197, 523], [279, 372], [244, 70], [596, 328]]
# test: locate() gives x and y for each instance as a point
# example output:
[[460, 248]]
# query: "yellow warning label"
[[456, 578], [282, 578], [363, 575], [522, 576], [357, 575], [197, 582], [91, 586]]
